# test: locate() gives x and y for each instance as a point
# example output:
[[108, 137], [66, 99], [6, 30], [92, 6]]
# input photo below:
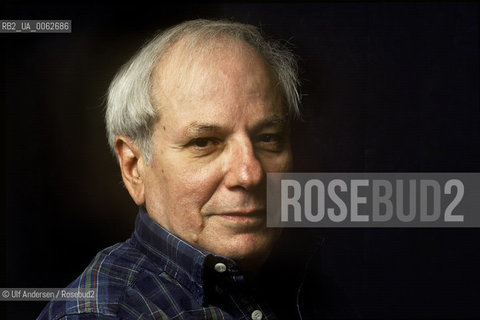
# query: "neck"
[[251, 267]]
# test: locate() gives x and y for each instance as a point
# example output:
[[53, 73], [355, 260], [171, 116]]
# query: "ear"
[[132, 164]]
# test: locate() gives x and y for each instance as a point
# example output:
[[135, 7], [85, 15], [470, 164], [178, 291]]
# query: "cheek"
[[280, 163], [190, 186], [190, 190]]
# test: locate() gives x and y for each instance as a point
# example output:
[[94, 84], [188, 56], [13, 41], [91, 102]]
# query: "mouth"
[[248, 217]]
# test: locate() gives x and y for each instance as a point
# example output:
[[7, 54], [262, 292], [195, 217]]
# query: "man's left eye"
[[269, 138], [270, 141]]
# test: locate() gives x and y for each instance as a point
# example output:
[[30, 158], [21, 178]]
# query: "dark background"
[[388, 87]]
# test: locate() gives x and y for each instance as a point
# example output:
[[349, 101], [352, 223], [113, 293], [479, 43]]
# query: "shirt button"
[[257, 315], [220, 267]]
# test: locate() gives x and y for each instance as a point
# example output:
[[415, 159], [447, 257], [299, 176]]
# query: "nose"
[[243, 169]]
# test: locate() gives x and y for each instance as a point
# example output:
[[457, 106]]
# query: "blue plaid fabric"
[[156, 275]]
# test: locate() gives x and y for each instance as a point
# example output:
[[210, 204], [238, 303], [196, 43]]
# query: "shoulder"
[[104, 285]]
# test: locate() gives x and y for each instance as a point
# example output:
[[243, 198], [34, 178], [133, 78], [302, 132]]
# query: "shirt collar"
[[188, 264]]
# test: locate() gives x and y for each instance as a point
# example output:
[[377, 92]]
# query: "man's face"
[[222, 127]]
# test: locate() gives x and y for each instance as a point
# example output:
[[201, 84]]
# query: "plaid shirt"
[[156, 275]]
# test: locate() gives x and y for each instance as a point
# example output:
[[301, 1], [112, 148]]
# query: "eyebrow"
[[196, 128], [270, 122]]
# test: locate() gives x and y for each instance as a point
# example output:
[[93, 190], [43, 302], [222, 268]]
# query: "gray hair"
[[130, 110]]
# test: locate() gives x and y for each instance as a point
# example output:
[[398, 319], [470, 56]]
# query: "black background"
[[387, 87]]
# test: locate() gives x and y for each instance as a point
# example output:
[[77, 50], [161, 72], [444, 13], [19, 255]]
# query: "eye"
[[203, 143], [268, 138], [270, 142]]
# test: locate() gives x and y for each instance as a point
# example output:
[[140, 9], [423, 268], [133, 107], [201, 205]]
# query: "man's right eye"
[[203, 143]]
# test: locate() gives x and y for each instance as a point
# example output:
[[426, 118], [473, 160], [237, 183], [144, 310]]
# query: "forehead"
[[212, 69]]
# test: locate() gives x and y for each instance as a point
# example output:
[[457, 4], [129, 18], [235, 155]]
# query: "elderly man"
[[196, 119]]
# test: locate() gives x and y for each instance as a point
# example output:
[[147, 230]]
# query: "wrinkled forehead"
[[204, 64]]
